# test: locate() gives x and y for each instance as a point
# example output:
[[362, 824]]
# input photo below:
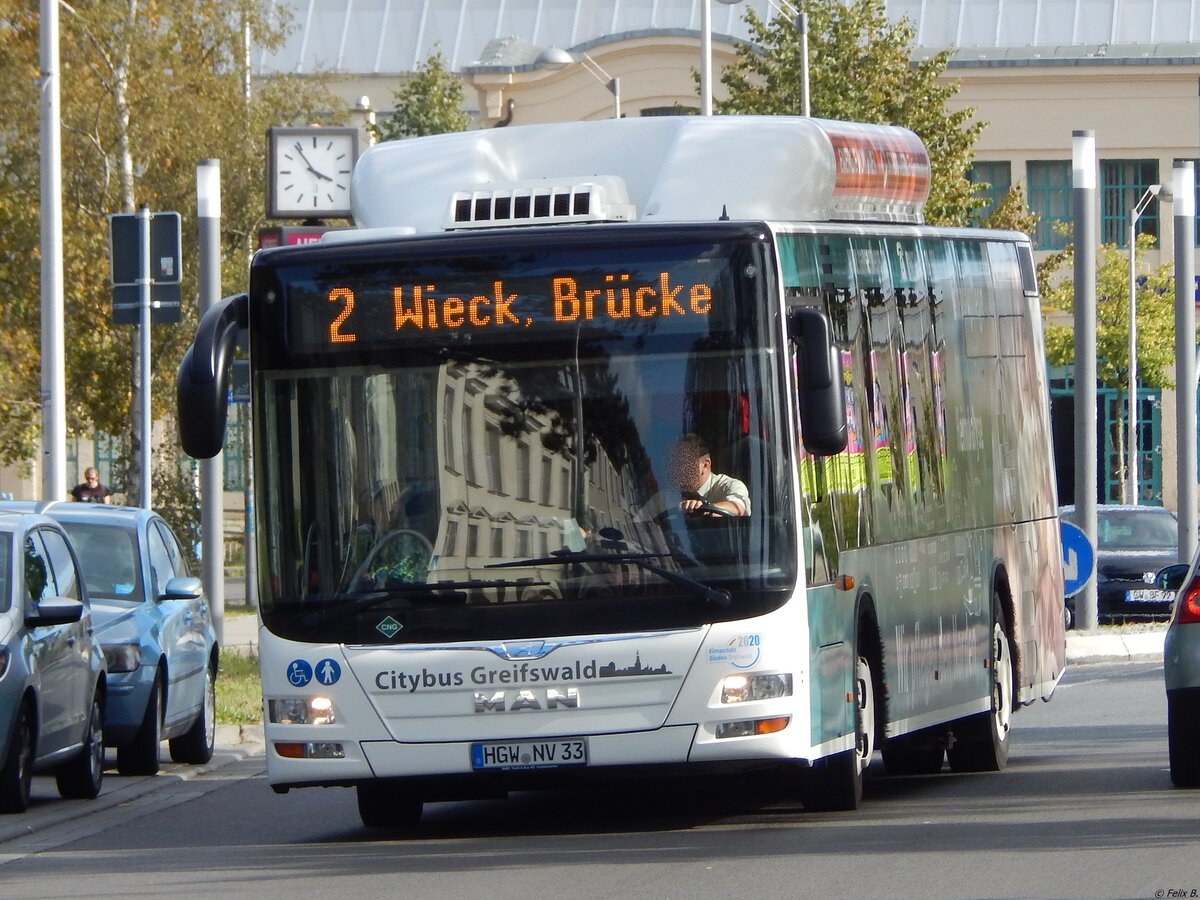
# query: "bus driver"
[[690, 466]]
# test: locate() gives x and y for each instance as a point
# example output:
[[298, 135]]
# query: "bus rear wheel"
[[981, 742], [836, 782], [383, 805]]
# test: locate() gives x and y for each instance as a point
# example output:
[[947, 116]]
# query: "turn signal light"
[[1189, 603]]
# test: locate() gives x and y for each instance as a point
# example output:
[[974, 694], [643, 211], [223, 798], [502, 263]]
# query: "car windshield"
[[1149, 529], [108, 557]]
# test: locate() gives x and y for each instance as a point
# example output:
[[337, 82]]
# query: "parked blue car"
[[156, 629], [52, 685]]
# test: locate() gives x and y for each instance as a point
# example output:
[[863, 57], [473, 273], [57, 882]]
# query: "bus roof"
[[664, 169]]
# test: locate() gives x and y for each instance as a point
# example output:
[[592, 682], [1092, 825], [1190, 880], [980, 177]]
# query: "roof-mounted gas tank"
[[667, 169]]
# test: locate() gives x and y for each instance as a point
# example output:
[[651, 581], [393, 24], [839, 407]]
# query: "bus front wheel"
[[382, 805], [836, 782]]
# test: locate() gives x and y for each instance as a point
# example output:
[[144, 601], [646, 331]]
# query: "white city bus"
[[475, 571]]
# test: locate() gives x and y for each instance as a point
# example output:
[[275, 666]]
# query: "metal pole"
[[143, 281], [1083, 202], [802, 27], [212, 487], [1183, 189], [614, 85], [1131, 477], [706, 57], [53, 388]]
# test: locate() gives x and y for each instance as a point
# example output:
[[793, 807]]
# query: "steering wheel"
[[709, 509]]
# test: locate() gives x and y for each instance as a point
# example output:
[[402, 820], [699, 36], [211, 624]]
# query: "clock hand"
[[321, 175]]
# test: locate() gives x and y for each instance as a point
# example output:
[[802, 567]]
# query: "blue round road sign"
[[1079, 559]]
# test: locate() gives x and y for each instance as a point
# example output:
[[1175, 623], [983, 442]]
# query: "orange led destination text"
[[618, 298]]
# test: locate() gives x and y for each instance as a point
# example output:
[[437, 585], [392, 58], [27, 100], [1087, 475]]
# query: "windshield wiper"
[[338, 605], [716, 596]]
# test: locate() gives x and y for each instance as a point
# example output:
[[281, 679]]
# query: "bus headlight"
[[743, 688], [302, 711]]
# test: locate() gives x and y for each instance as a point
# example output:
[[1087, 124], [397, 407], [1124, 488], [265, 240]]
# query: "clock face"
[[310, 171]]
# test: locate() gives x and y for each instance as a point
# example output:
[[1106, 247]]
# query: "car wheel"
[[17, 774], [140, 756], [381, 805], [80, 778], [836, 782], [981, 741], [195, 746], [1183, 739]]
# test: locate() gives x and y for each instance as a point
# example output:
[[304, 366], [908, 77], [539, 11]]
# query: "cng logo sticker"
[[389, 627]]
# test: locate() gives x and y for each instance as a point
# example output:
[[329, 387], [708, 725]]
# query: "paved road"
[[1085, 809]]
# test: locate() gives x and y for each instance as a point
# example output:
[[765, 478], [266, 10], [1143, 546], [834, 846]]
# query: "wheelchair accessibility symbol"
[[299, 673]]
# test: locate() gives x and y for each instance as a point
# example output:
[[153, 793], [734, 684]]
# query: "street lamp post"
[[557, 58], [1131, 449], [706, 53]]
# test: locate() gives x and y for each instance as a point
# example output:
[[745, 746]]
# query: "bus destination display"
[[347, 312]]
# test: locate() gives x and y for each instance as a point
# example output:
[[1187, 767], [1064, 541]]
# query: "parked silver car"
[[52, 685], [1181, 671]]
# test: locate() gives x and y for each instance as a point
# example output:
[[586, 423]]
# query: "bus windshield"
[[501, 442]]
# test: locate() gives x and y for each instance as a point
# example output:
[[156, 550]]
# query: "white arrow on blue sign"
[[1079, 558]]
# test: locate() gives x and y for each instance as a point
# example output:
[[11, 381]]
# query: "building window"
[[993, 181], [497, 542], [1123, 182], [547, 480], [495, 470], [1050, 198], [523, 473], [468, 445], [451, 452], [676, 110]]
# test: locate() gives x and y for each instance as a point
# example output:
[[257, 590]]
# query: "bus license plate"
[[529, 754], [1148, 595]]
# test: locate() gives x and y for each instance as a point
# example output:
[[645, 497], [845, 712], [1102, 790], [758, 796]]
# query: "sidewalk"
[[1108, 645]]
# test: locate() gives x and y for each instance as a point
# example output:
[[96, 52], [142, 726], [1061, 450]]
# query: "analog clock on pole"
[[308, 172]]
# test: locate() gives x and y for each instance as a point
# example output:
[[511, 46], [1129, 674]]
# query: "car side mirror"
[[183, 587], [55, 611], [1171, 578]]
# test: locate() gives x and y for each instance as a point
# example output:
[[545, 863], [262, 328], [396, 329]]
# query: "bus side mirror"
[[202, 387], [821, 399]]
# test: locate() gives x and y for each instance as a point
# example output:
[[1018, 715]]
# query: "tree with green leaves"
[[862, 69], [430, 102], [148, 90]]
